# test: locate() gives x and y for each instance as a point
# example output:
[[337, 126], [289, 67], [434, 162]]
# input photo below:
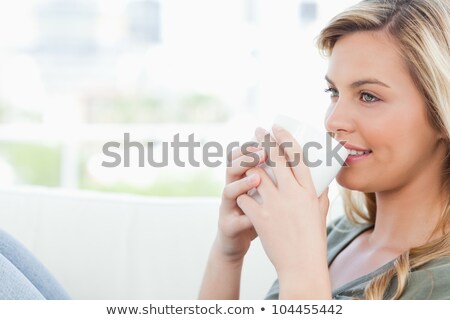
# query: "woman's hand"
[[291, 221], [223, 271], [235, 229]]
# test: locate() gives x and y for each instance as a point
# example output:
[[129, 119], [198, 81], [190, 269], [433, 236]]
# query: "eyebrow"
[[360, 83]]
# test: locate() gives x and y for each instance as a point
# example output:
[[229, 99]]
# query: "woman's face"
[[375, 106]]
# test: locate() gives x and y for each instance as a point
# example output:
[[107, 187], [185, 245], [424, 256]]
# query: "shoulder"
[[430, 281]]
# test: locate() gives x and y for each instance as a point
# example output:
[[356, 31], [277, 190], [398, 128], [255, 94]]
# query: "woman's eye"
[[367, 97], [333, 92]]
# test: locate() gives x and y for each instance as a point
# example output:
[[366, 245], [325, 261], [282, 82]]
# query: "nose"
[[338, 119]]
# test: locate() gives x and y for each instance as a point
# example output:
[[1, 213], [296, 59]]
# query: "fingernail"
[[260, 131], [252, 179], [277, 127]]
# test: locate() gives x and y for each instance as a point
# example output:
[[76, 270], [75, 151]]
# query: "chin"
[[350, 182]]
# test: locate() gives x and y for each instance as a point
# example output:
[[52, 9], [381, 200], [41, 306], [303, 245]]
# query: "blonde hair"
[[421, 29]]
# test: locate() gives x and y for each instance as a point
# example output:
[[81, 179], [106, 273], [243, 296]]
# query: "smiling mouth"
[[355, 157], [352, 152], [355, 154]]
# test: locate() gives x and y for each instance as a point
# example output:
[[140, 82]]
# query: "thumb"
[[324, 204], [248, 205]]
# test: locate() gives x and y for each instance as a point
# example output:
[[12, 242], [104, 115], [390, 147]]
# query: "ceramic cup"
[[323, 162]]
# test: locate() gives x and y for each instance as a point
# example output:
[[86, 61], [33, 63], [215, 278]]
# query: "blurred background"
[[76, 74]]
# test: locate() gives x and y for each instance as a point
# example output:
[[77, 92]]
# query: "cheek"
[[406, 137], [385, 161], [396, 155], [327, 116], [387, 133], [393, 146]]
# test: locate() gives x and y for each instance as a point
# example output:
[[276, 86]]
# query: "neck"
[[407, 216]]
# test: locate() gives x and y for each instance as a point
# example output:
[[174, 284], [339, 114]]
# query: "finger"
[[236, 223], [241, 223], [248, 205], [259, 135], [241, 164], [266, 186], [324, 205], [276, 159], [241, 186], [294, 155], [250, 146]]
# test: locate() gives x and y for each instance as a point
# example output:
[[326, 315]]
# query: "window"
[[77, 74]]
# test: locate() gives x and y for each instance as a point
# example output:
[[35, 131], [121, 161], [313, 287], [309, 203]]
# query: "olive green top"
[[430, 281]]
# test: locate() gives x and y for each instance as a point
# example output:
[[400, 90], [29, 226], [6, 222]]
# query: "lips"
[[358, 153], [353, 156], [349, 146]]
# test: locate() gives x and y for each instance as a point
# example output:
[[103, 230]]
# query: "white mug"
[[322, 174]]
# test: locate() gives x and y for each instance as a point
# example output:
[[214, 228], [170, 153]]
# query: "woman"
[[389, 83]]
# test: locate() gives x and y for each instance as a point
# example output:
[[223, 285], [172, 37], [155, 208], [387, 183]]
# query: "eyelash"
[[335, 92]]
